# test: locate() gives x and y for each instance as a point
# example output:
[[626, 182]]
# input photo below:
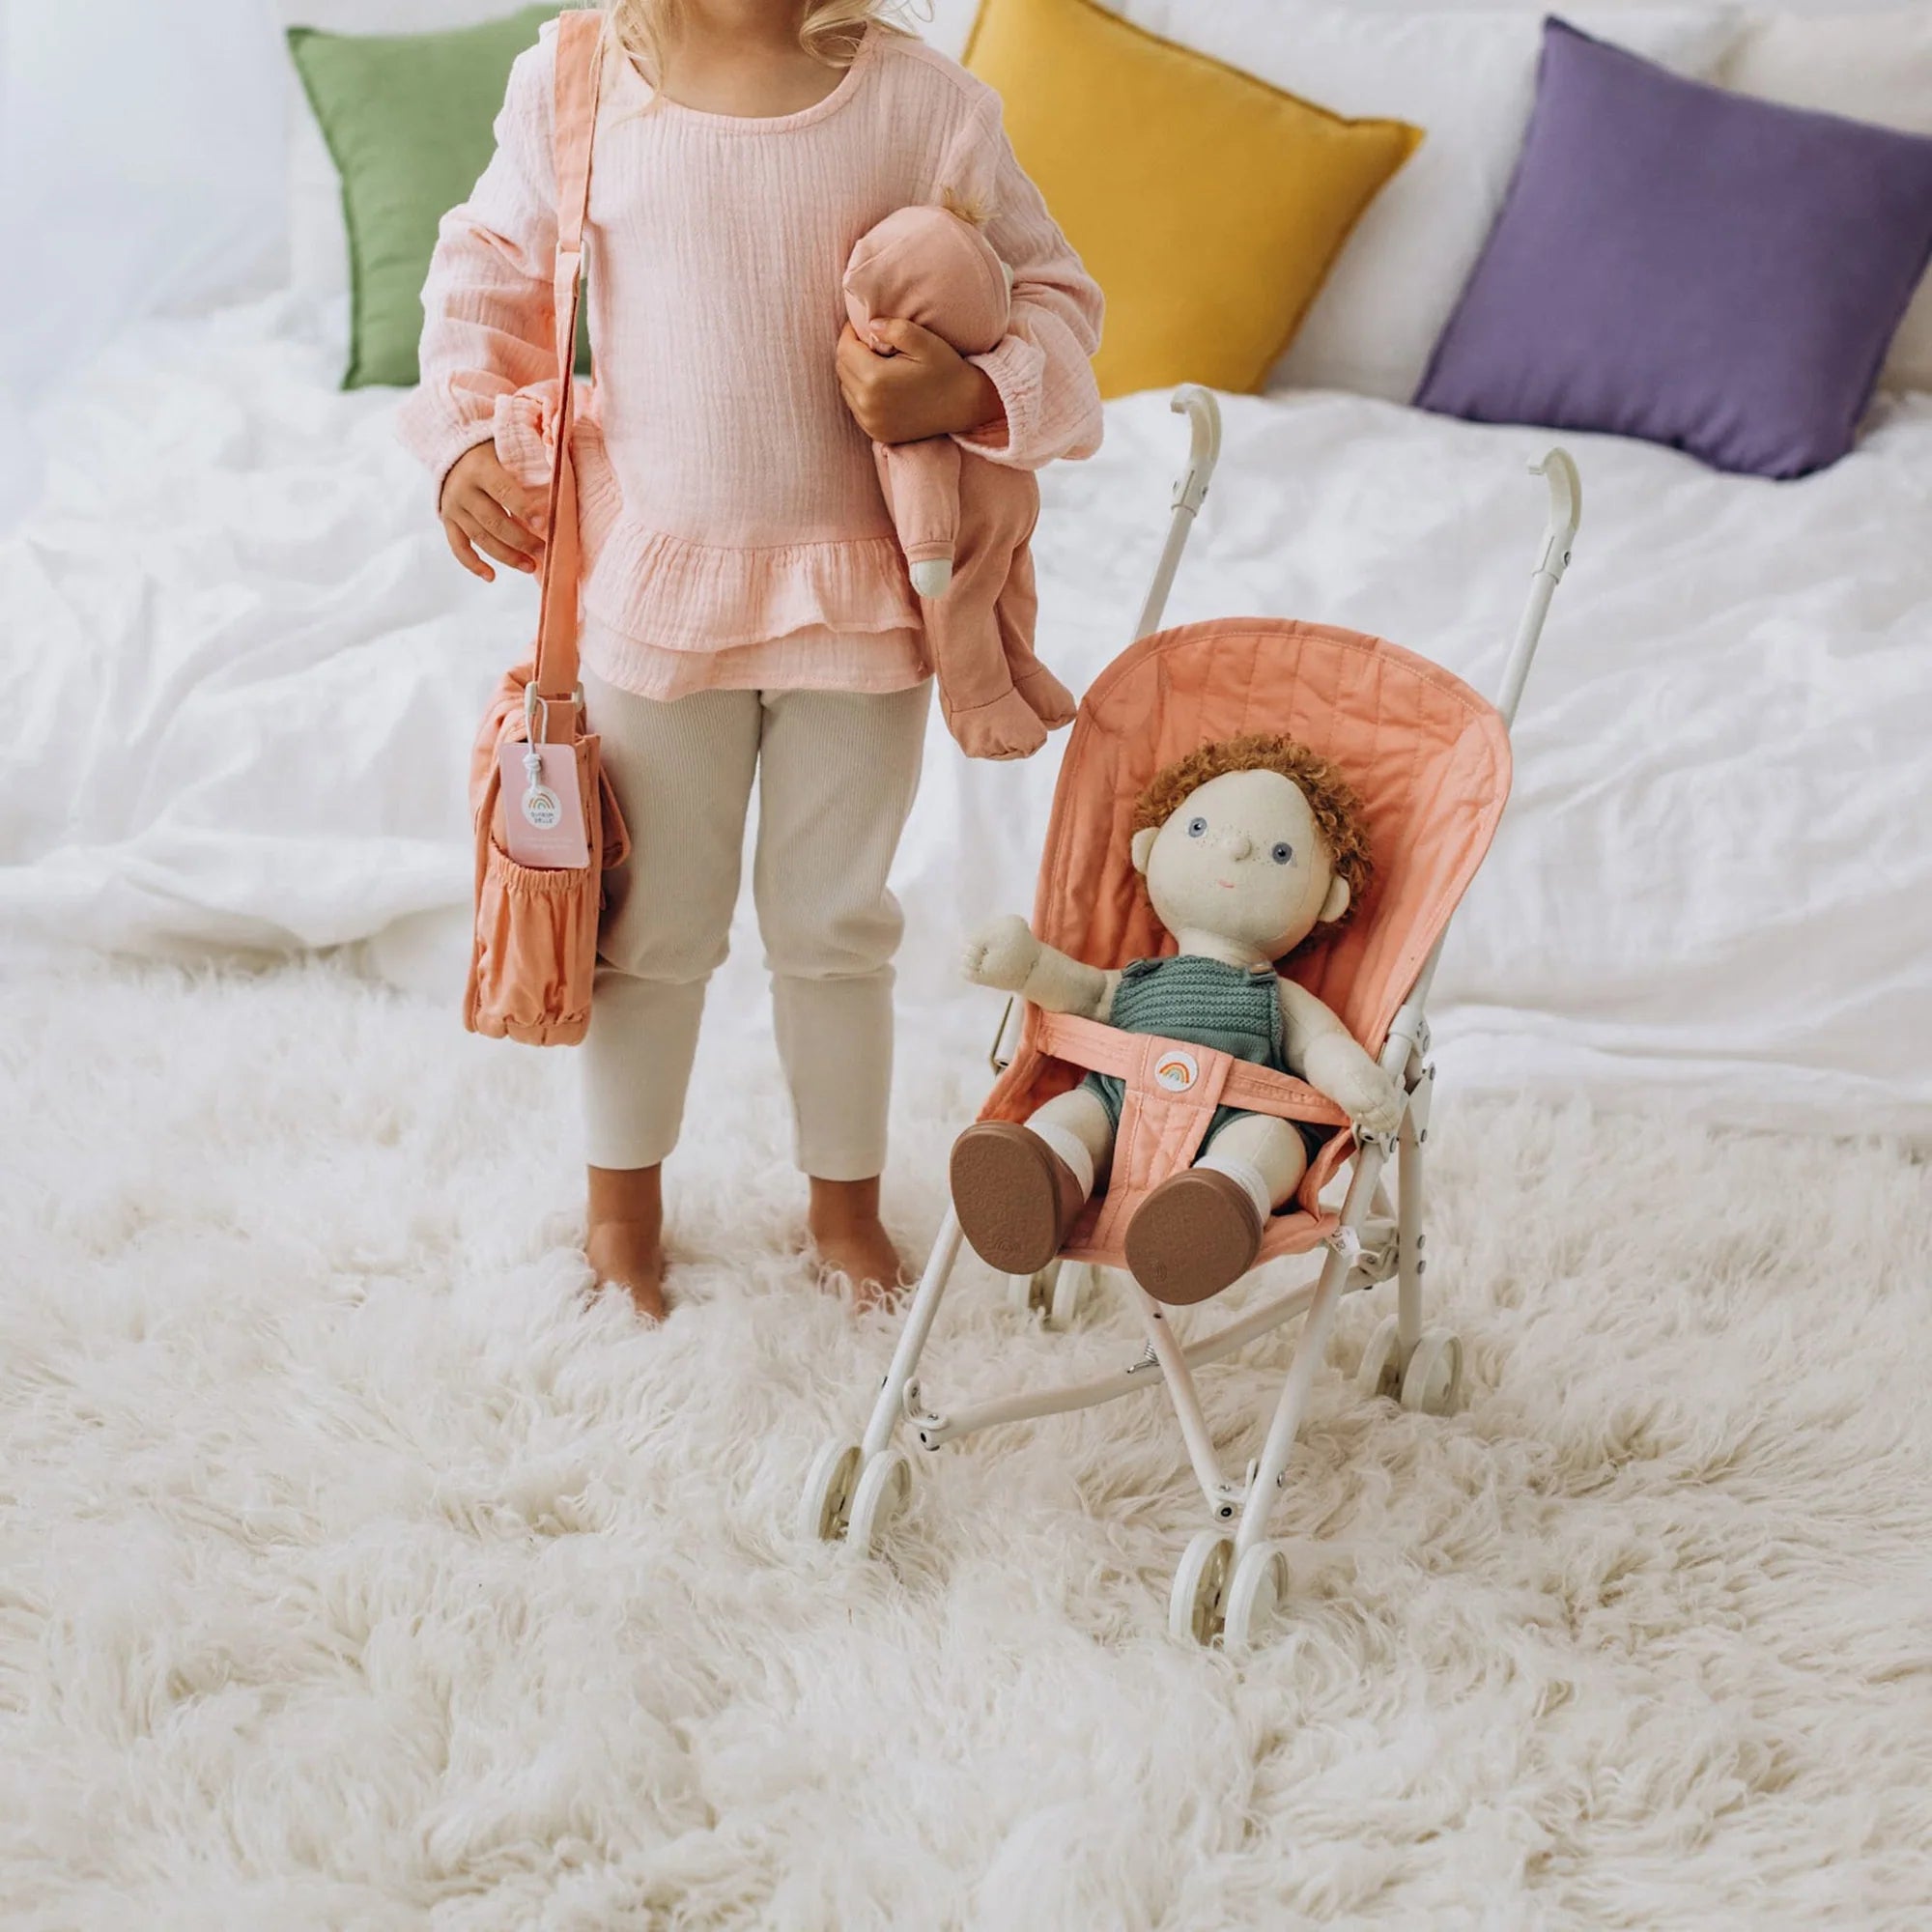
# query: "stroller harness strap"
[[1137, 1058], [1173, 1089]]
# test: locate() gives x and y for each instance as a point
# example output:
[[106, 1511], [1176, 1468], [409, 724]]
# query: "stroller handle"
[[1558, 469], [1190, 491], [1409, 1032]]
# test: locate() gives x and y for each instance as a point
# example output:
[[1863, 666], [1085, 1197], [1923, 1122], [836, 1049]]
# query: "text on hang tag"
[[543, 806]]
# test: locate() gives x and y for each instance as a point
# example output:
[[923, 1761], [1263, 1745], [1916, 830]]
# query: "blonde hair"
[[829, 30]]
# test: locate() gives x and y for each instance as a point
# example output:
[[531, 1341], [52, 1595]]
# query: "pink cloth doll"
[[965, 523]]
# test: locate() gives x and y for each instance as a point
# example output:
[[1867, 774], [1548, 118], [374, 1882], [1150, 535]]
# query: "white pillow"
[[1467, 79], [1868, 66], [318, 241]]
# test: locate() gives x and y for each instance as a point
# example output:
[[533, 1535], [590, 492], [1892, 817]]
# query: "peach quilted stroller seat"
[[1430, 760]]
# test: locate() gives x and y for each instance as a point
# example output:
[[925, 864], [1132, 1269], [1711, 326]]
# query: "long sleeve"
[[489, 334], [1043, 368]]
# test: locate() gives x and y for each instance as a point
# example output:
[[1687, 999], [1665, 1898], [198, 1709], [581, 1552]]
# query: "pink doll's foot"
[[1016, 1199], [1195, 1234], [1046, 697], [1007, 727]]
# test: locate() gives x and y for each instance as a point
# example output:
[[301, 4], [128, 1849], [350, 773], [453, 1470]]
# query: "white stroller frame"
[[1226, 1585]]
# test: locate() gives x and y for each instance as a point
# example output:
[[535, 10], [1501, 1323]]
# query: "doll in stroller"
[[1259, 831]]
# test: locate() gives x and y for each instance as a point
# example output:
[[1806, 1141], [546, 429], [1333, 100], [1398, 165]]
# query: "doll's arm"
[[1005, 954], [922, 485], [1323, 1052]]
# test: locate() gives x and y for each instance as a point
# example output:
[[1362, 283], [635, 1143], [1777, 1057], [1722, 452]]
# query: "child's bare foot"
[[624, 1243], [848, 1238]]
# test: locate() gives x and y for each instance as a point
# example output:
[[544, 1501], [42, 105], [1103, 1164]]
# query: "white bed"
[[250, 671]]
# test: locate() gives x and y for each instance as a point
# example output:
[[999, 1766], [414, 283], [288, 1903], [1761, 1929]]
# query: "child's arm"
[[1323, 1052], [1043, 369], [1005, 954], [489, 332]]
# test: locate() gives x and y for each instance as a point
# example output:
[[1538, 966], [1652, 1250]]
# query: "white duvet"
[[245, 672]]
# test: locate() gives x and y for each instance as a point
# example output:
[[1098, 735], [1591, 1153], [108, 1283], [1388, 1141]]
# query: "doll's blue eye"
[[1281, 853], [1197, 828]]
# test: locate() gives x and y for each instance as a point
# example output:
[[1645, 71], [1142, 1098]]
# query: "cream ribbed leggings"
[[836, 773]]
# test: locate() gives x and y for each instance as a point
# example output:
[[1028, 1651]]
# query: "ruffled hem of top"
[[886, 660], [687, 596]]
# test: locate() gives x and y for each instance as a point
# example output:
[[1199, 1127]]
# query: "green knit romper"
[[1235, 1010]]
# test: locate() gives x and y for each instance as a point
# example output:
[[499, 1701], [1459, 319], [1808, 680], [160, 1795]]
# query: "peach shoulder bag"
[[546, 821]]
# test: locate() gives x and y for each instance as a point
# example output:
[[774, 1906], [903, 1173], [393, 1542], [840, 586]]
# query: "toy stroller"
[[1431, 762]]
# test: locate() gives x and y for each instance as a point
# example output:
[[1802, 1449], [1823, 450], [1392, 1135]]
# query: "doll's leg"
[[1200, 1229], [1267, 1156], [1015, 613], [983, 712], [1018, 1189]]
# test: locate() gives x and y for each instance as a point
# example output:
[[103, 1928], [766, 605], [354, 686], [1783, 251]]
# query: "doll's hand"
[[1369, 1096], [1002, 954]]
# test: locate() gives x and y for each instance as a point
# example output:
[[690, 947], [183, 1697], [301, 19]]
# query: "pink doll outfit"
[[965, 519], [749, 621]]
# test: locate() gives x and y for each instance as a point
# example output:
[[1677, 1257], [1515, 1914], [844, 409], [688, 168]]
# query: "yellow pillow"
[[1207, 205]]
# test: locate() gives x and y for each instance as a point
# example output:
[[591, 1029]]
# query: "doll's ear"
[[1336, 903], [1143, 846]]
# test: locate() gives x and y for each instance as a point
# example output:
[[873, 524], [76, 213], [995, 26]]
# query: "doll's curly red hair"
[[1331, 798]]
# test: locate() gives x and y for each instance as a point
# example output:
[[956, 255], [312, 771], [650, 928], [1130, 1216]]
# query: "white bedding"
[[248, 673]]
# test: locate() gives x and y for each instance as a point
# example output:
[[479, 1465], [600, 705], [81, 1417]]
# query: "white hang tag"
[[543, 807]]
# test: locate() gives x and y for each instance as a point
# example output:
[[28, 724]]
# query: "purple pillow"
[[1689, 266]]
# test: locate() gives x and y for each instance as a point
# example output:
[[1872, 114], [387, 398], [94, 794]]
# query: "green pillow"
[[409, 120]]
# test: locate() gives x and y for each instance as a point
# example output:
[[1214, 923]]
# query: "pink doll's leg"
[[983, 712], [1019, 1189], [1050, 700]]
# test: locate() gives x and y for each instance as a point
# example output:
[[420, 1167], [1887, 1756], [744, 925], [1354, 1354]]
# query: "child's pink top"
[[732, 516]]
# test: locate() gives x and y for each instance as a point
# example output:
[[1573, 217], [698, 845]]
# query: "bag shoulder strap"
[[580, 72]]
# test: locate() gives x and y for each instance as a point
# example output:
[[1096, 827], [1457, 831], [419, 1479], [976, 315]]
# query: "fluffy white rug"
[[355, 1573]]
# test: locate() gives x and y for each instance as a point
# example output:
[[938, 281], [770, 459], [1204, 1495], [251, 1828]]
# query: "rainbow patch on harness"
[[1176, 1072]]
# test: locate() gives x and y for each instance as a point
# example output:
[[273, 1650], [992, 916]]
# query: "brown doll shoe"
[[1195, 1234], [1016, 1199]]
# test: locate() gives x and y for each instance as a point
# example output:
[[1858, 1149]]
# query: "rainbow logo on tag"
[[1176, 1072]]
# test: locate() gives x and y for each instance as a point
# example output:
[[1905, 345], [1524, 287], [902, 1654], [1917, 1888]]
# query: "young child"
[[746, 608]]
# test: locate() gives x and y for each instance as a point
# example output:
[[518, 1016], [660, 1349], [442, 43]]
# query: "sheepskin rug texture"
[[359, 1570]]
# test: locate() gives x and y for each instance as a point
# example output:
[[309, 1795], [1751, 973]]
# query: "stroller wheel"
[[828, 1492], [1255, 1596], [1380, 1373], [1432, 1383], [1195, 1603], [885, 1487]]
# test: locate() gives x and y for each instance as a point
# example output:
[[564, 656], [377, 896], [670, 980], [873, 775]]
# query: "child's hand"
[[1002, 954], [484, 505], [912, 385]]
